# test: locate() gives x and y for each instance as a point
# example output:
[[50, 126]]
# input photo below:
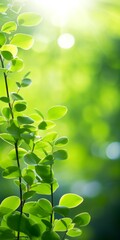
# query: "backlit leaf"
[[12, 153], [57, 112], [2, 39], [11, 202], [16, 96], [61, 210], [16, 65], [9, 51], [47, 124], [82, 219], [75, 232], [11, 172], [6, 233], [25, 120], [49, 137], [29, 19], [70, 200], [9, 27], [61, 141], [6, 112], [50, 235], [31, 158], [7, 138], [28, 194], [3, 8], [22, 40], [44, 188], [62, 224], [28, 175]]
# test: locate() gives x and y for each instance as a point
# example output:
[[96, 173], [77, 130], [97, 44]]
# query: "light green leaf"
[[9, 27], [26, 82], [62, 224], [44, 188], [61, 141], [2, 39], [82, 219], [70, 200], [25, 120], [6, 233], [16, 65], [57, 112], [50, 137], [3, 8], [11, 202], [51, 235], [7, 138], [28, 194], [4, 99], [75, 232], [6, 112], [28, 176], [20, 106], [47, 124], [29, 19], [21, 152], [41, 208], [61, 210], [16, 96], [22, 40], [3, 70], [11, 172], [31, 158], [9, 51], [60, 155], [23, 224]]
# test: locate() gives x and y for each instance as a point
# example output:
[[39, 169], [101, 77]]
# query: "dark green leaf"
[[26, 82], [61, 210], [11, 172], [28, 194], [82, 219], [2, 39], [4, 99], [39, 113], [31, 158], [6, 112], [16, 96], [60, 155], [45, 173], [25, 120], [20, 106], [14, 130], [6, 233], [44, 125], [28, 175], [9, 51], [50, 235], [61, 141]]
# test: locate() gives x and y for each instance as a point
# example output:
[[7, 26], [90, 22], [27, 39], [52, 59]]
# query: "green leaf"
[[70, 200], [25, 82], [20, 106], [7, 138], [6, 112], [2, 39], [3, 70], [9, 27], [45, 173], [25, 120], [28, 194], [41, 208], [60, 155], [4, 99], [31, 158], [39, 113], [48, 160], [11, 202], [28, 176], [11, 172], [12, 153], [50, 137], [3, 7], [47, 124], [9, 51], [16, 96], [29, 19], [61, 141], [82, 219], [62, 224], [16, 65], [14, 130], [75, 232], [61, 210], [51, 235], [57, 112], [44, 188], [23, 224], [6, 233], [22, 40]]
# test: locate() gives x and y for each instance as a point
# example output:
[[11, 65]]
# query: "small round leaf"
[[22, 40], [82, 219], [29, 19], [70, 200], [60, 155], [57, 112], [9, 27]]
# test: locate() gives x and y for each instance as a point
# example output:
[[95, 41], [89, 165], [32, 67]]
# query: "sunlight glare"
[[66, 40]]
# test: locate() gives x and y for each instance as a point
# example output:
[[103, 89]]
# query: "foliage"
[[34, 149]]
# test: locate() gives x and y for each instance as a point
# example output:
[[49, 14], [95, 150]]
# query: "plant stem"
[[52, 199], [6, 86], [16, 143]]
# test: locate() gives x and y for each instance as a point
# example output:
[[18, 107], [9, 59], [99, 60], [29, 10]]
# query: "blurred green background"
[[75, 61]]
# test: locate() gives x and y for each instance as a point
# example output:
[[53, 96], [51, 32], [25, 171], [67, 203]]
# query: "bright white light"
[[66, 40], [87, 189], [113, 150]]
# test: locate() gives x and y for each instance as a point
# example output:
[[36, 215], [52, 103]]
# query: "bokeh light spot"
[[66, 40], [113, 150]]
